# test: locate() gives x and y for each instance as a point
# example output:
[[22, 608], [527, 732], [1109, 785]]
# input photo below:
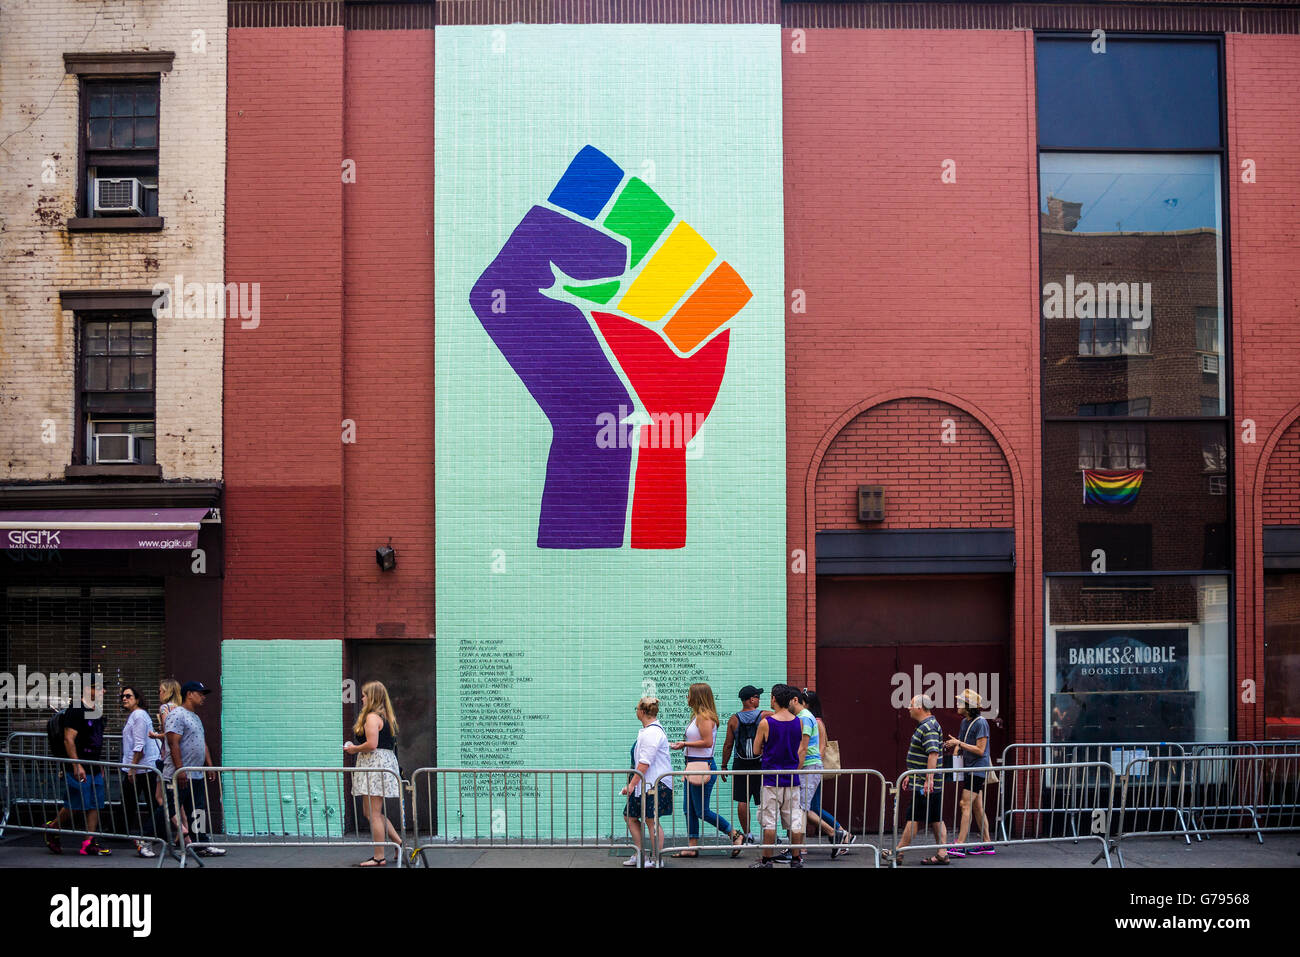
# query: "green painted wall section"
[[281, 708]]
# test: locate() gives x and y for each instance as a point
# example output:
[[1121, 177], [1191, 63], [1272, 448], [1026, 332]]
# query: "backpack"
[[745, 734], [54, 734]]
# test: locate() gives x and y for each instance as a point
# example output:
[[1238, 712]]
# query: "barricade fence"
[[522, 808], [1044, 803], [1175, 790], [1118, 754], [841, 811], [283, 807], [102, 800], [1249, 792], [37, 743]]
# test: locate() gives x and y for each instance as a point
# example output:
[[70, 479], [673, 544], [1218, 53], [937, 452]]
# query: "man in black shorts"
[[924, 793], [741, 729]]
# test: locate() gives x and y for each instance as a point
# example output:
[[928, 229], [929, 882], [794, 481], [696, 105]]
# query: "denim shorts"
[[87, 795]]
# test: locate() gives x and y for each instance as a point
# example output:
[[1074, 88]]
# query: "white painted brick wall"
[[38, 257]]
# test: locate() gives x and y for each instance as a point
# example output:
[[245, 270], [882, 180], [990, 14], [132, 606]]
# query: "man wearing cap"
[[741, 729], [186, 747]]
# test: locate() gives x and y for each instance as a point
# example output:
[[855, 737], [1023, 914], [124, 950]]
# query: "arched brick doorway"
[[922, 600]]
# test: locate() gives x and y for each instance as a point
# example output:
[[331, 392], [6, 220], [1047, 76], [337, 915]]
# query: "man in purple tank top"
[[781, 745]]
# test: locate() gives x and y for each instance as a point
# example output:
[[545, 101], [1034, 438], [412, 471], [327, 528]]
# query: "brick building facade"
[[112, 192]]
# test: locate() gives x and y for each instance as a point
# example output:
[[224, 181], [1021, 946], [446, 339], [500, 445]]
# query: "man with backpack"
[[741, 729], [78, 734]]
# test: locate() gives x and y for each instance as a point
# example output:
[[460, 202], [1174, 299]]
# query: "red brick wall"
[[928, 483], [346, 333], [388, 334], [1263, 81], [283, 383], [1282, 481], [914, 287]]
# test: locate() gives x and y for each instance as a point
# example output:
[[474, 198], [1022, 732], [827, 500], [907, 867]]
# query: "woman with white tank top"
[[698, 744]]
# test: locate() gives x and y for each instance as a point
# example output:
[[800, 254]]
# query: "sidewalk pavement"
[[1221, 851]]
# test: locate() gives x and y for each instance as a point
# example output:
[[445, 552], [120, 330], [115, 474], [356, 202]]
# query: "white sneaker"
[[144, 850], [650, 864], [632, 861]]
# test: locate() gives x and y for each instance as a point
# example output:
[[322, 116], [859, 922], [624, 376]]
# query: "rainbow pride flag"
[[1105, 487]]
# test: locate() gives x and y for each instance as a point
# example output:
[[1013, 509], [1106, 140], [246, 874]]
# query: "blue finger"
[[587, 184]]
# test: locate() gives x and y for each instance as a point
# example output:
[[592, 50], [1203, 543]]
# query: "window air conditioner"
[[1210, 364], [115, 447], [123, 195]]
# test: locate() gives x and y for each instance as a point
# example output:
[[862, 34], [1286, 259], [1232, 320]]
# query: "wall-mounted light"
[[385, 557]]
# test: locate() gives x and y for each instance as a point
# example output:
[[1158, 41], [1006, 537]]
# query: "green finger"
[[640, 216]]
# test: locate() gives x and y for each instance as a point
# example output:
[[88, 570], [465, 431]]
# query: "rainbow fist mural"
[[645, 259]]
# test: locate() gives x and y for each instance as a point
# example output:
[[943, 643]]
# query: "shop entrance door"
[[882, 639], [407, 670]]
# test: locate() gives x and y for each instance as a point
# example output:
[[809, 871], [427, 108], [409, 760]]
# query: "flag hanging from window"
[[1106, 487]]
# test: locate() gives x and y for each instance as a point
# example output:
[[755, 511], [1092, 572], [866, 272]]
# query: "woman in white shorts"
[[375, 746]]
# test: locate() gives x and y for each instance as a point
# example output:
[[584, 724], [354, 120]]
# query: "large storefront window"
[[1137, 658], [1132, 284], [1136, 401], [1122, 496], [1282, 655]]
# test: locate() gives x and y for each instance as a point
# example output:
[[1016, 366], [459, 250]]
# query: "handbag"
[[831, 756], [697, 773]]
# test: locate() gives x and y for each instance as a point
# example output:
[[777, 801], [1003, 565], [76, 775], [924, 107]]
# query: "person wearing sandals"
[[925, 803], [698, 744], [652, 759], [971, 744], [809, 707], [375, 746]]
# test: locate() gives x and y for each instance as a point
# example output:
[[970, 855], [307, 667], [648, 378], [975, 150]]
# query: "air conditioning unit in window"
[[119, 195], [115, 447], [1210, 364]]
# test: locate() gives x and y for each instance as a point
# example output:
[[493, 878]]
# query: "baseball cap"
[[749, 691], [198, 686]]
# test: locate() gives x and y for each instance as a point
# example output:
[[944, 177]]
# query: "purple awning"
[[102, 528]]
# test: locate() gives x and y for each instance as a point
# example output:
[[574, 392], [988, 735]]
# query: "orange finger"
[[717, 299]]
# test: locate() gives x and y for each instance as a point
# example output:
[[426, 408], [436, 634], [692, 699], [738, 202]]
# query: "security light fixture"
[[385, 557], [871, 503]]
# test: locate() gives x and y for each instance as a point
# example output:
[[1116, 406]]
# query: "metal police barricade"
[[844, 811], [1038, 797], [1243, 793], [274, 807], [522, 808], [1048, 802], [44, 795], [37, 743]]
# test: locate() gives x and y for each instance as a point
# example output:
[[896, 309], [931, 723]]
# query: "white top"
[[652, 749], [693, 734], [135, 737]]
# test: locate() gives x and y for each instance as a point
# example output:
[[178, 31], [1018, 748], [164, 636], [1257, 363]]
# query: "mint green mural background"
[[542, 653], [281, 704]]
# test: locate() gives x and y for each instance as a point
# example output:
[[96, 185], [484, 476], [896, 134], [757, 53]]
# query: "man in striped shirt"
[[925, 792]]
